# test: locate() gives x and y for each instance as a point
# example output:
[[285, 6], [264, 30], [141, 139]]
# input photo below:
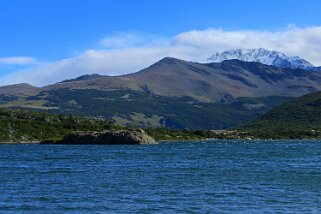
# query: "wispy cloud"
[[131, 39], [121, 40], [126, 53], [18, 60]]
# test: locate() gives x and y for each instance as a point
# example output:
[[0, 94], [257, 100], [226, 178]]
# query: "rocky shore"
[[107, 137]]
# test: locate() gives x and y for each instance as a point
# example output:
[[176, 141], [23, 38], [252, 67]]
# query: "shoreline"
[[169, 141], [21, 142]]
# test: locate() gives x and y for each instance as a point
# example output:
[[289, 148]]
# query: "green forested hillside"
[[298, 118], [21, 125], [130, 108]]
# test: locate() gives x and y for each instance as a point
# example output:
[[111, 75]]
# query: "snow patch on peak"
[[263, 56]]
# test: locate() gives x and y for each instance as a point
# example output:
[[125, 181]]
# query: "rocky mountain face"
[[263, 56]]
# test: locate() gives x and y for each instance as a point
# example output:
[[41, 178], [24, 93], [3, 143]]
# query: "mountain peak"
[[166, 61], [84, 77], [263, 56], [170, 59], [21, 88]]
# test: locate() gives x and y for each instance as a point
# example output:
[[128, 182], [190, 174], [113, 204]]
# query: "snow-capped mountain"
[[263, 56]]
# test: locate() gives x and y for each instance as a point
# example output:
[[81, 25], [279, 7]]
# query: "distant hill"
[[296, 118], [16, 89]]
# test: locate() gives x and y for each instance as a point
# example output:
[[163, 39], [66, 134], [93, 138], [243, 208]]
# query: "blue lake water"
[[199, 177]]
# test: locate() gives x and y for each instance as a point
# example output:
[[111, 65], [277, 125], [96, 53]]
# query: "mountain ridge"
[[263, 56], [209, 82]]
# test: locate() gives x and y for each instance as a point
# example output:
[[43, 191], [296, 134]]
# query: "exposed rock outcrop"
[[107, 137]]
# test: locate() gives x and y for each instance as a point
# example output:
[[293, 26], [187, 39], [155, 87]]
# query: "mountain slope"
[[84, 77], [128, 107], [263, 56], [212, 82], [296, 118]]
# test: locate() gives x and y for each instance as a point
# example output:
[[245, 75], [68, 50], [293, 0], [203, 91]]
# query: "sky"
[[42, 42]]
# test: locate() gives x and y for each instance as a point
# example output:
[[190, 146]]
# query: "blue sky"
[[49, 31]]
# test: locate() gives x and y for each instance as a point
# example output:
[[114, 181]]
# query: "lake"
[[197, 177]]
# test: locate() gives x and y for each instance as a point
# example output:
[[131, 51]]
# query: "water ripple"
[[217, 176]]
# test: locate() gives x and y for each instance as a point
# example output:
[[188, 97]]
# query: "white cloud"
[[305, 42], [108, 62], [128, 53], [18, 60]]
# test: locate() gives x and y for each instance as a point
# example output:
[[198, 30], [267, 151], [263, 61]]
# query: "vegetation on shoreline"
[[28, 126], [174, 135], [164, 134], [22, 125]]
